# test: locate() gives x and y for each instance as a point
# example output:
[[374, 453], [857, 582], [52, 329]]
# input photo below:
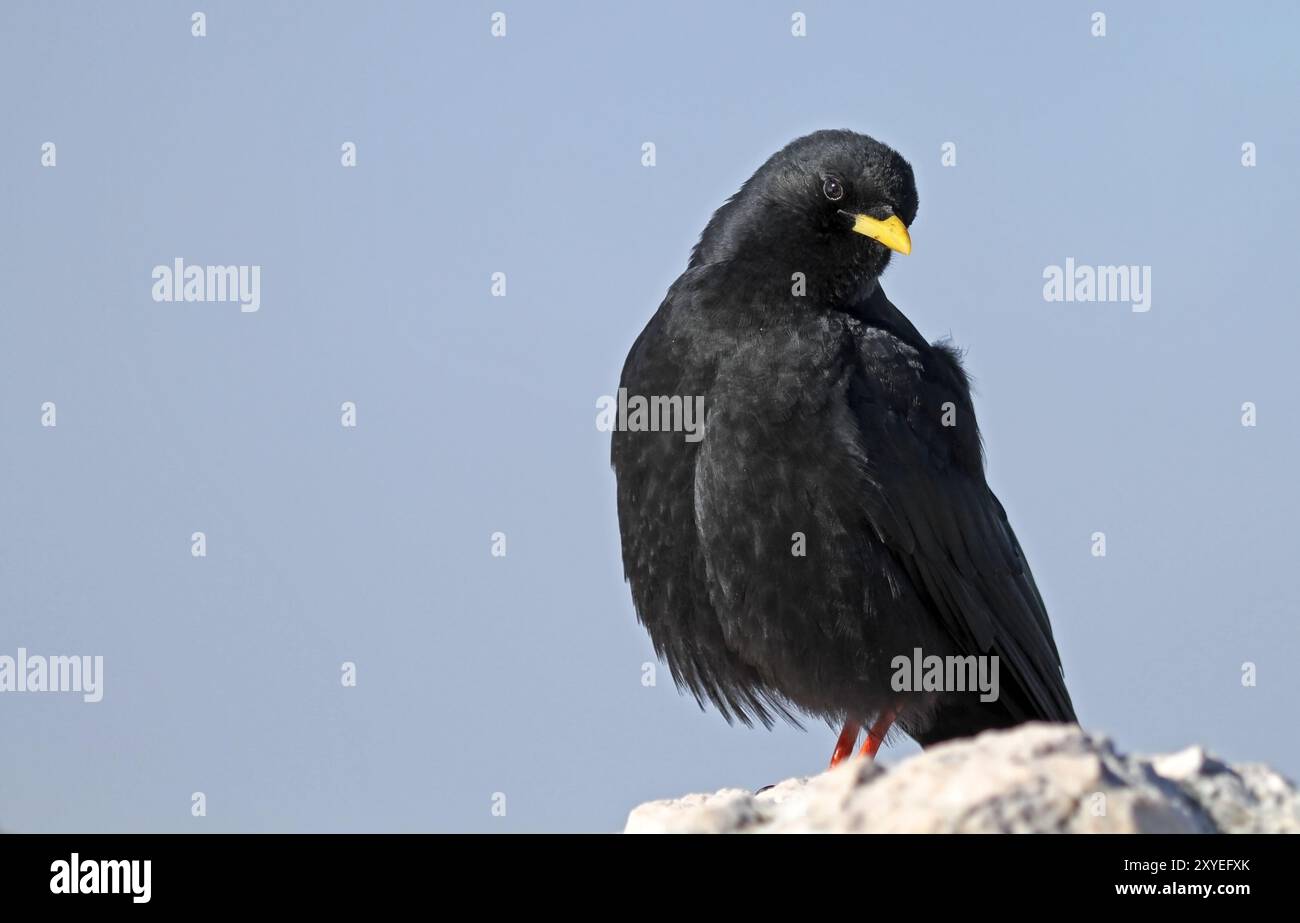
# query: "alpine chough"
[[829, 537]]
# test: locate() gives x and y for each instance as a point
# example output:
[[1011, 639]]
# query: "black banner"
[[331, 872]]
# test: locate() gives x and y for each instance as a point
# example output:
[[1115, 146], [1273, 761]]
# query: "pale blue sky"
[[476, 414]]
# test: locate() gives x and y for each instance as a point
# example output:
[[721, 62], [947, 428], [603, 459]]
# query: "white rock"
[[1032, 779]]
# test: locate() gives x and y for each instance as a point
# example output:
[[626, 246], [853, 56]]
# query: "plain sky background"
[[522, 675]]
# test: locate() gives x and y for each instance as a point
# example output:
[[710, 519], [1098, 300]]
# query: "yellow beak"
[[891, 232]]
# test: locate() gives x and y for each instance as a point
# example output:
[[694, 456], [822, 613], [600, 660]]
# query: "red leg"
[[876, 736], [844, 746]]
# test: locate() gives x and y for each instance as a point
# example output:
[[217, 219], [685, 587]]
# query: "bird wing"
[[662, 558], [932, 507]]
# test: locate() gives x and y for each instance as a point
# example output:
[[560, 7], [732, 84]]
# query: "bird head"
[[833, 205]]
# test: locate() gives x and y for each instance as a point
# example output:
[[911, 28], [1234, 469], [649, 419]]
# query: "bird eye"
[[832, 189]]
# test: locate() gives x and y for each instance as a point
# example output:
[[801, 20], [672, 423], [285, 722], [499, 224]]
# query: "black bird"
[[834, 516]]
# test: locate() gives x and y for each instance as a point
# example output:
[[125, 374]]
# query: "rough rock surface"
[[1037, 778]]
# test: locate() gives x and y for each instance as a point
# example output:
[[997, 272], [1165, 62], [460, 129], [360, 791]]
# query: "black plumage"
[[825, 416]]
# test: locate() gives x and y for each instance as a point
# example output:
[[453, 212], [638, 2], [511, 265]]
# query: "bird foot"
[[875, 737], [844, 746]]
